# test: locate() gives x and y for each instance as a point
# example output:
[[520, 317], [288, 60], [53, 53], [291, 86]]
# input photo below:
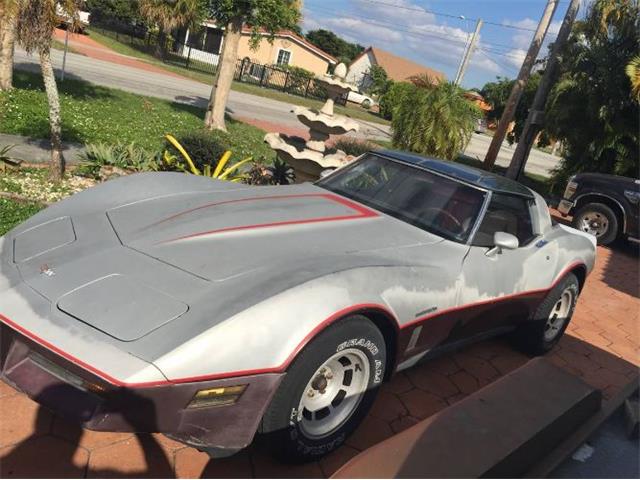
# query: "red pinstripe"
[[361, 212], [282, 367]]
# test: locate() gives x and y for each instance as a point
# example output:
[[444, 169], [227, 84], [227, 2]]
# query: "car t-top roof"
[[474, 176]]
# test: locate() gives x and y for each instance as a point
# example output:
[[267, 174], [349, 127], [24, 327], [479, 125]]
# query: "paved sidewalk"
[[602, 346], [85, 45]]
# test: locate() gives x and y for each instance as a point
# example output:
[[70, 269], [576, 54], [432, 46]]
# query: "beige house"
[[287, 48]]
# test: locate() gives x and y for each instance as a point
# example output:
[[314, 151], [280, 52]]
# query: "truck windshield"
[[437, 204]]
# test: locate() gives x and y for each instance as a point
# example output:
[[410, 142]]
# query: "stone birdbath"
[[309, 158]]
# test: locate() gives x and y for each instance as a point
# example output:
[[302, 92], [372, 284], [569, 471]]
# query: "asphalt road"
[[246, 106]]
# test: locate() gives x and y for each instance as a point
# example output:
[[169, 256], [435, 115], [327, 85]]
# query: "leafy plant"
[[434, 121], [231, 173], [8, 160], [392, 98], [278, 173], [129, 157], [353, 146]]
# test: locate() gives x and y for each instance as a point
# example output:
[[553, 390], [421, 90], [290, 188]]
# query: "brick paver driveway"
[[602, 346]]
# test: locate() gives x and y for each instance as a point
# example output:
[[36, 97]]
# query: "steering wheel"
[[449, 215]]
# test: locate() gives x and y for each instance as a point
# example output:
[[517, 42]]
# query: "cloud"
[[363, 30]]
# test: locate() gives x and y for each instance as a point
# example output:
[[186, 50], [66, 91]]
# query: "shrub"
[[204, 148], [435, 121], [354, 146], [278, 173], [298, 78], [392, 98]]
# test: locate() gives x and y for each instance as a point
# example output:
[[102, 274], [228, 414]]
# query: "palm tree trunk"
[[161, 45], [57, 163], [7, 41], [214, 118]]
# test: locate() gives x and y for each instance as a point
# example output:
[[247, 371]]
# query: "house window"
[[284, 57]]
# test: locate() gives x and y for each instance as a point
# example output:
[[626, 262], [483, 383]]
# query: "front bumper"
[[565, 206], [78, 395]]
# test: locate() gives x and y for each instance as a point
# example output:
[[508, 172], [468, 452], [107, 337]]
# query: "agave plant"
[[231, 173]]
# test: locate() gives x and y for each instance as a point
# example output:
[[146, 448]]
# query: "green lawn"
[[92, 114], [353, 111], [12, 213]]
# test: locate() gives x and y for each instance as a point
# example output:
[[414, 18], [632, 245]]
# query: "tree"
[[36, 21], [168, 15], [334, 45], [267, 15], [591, 108], [436, 120], [496, 94], [393, 97], [379, 82], [8, 9], [633, 72], [123, 10]]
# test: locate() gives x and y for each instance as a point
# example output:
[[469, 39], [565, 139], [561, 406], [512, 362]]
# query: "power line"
[[448, 15], [401, 28]]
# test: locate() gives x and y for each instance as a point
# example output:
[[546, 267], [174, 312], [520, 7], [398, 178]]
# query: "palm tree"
[[8, 9], [633, 72], [434, 119], [168, 15], [36, 21]]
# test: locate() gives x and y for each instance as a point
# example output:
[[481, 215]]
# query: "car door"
[[501, 288]]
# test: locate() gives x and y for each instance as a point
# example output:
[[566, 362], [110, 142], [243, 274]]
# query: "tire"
[[366, 104], [296, 424], [599, 220], [542, 332]]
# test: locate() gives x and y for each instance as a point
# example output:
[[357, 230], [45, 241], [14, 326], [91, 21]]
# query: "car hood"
[[222, 235], [158, 271]]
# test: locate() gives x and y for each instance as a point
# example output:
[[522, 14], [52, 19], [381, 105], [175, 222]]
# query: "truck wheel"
[[327, 391], [599, 220], [550, 320]]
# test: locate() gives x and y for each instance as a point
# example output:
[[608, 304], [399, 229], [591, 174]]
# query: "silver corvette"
[[210, 311]]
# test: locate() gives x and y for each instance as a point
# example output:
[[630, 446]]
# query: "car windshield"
[[434, 203]]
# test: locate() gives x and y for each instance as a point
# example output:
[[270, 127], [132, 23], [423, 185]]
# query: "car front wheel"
[[327, 391], [544, 330]]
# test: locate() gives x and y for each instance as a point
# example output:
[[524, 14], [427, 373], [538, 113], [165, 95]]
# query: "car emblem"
[[45, 270]]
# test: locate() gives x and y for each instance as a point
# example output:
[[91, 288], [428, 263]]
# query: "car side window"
[[506, 213]]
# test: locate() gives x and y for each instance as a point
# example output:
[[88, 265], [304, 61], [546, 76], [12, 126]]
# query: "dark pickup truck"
[[607, 206]]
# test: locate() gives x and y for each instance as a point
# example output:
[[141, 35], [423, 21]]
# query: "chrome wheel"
[[594, 223], [559, 315], [333, 393]]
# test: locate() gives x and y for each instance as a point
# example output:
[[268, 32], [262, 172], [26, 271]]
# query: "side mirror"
[[503, 240]]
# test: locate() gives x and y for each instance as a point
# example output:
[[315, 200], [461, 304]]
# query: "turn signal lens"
[[217, 397]]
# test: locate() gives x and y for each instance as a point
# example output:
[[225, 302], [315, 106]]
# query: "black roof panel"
[[475, 176]]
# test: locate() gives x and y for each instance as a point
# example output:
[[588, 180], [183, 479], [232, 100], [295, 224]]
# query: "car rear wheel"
[[327, 391], [550, 320], [599, 220]]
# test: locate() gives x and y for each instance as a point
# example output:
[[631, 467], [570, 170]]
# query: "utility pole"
[[535, 119], [467, 55], [520, 83]]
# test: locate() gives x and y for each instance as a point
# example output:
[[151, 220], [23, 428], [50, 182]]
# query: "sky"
[[432, 32]]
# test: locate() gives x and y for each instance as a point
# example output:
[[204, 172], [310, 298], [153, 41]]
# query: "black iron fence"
[[192, 55], [293, 81]]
